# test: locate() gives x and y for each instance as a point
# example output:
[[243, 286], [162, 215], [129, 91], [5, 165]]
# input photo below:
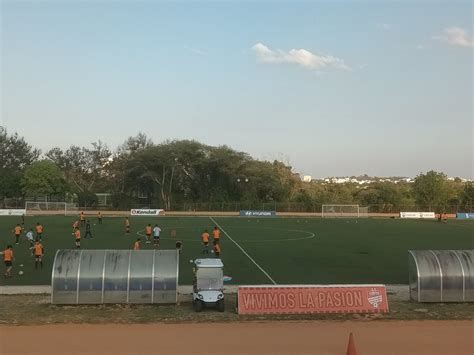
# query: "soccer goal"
[[345, 211], [50, 208]]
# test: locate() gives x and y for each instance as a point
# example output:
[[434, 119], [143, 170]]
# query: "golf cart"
[[208, 284]]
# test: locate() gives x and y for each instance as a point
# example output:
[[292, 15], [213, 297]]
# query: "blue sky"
[[334, 88]]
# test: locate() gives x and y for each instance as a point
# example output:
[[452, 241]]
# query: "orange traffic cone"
[[351, 348]]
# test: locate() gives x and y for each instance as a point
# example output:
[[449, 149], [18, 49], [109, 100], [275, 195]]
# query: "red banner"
[[312, 299]]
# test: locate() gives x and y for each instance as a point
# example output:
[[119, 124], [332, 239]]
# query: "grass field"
[[257, 251]]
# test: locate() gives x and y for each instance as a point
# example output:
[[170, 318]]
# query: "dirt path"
[[323, 338]]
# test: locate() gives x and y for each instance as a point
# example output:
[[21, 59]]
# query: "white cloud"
[[196, 51], [456, 36], [386, 26], [301, 57]]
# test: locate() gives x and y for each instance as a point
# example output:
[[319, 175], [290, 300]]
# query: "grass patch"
[[341, 251]]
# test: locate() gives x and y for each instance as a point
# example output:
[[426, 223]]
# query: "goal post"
[[344, 211], [50, 208]]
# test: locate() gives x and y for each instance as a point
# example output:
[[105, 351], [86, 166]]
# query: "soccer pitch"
[[258, 250]]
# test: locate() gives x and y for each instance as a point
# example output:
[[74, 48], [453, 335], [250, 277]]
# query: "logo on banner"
[[147, 212], [374, 297], [254, 213]]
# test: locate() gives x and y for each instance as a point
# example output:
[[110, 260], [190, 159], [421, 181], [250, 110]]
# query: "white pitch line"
[[243, 251]]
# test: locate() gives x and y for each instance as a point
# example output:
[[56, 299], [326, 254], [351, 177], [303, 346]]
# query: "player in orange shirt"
[[148, 231], [17, 232], [137, 244], [75, 225], [77, 236], [8, 259], [82, 217], [216, 249], [205, 242], [127, 225], [39, 231], [38, 252], [216, 235], [99, 217]]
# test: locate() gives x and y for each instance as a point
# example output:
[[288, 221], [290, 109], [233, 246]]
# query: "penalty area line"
[[243, 251]]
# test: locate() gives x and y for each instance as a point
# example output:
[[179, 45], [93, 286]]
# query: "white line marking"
[[243, 251]]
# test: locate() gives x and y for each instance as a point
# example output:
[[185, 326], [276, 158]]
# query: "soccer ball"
[[20, 273]]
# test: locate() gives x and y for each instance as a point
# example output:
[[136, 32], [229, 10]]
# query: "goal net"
[[345, 211], [50, 208]]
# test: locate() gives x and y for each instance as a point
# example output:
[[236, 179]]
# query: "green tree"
[[87, 199], [467, 197], [385, 196], [15, 155], [43, 178], [431, 191], [85, 169]]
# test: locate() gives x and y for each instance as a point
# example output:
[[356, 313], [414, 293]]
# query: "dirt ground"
[[301, 337]]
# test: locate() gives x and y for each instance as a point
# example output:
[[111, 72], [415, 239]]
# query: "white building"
[[307, 178]]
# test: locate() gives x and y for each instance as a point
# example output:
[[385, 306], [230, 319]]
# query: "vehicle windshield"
[[209, 279]]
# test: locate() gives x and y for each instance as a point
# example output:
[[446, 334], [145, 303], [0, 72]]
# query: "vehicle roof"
[[209, 263]]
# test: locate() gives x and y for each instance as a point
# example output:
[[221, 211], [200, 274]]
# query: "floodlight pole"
[[242, 180]]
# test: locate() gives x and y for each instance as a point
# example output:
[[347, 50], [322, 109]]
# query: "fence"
[[304, 207], [262, 206]]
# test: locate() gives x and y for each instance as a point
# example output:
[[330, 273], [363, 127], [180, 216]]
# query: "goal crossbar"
[[50, 208]]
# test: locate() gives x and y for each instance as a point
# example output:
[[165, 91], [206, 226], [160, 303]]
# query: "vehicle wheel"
[[197, 306], [221, 306]]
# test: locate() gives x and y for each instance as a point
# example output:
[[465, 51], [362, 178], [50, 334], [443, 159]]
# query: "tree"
[[135, 144], [43, 178], [15, 155], [87, 198], [84, 168], [467, 197], [385, 196], [155, 169], [431, 191]]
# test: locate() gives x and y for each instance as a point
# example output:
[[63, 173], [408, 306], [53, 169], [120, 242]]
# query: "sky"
[[333, 88]]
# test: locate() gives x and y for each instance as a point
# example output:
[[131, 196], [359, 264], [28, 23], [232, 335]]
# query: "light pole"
[[241, 181]]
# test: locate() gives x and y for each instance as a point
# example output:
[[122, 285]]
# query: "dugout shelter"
[[441, 275], [115, 276]]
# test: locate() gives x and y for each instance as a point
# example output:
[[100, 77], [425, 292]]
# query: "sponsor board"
[[312, 299], [417, 215], [252, 213], [12, 212], [147, 212], [465, 215]]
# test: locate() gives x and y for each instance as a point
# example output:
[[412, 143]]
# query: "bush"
[[121, 201], [87, 199]]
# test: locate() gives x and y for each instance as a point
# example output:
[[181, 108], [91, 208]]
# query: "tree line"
[[183, 174]]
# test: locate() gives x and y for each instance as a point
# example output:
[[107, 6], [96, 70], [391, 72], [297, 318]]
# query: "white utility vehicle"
[[208, 284]]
